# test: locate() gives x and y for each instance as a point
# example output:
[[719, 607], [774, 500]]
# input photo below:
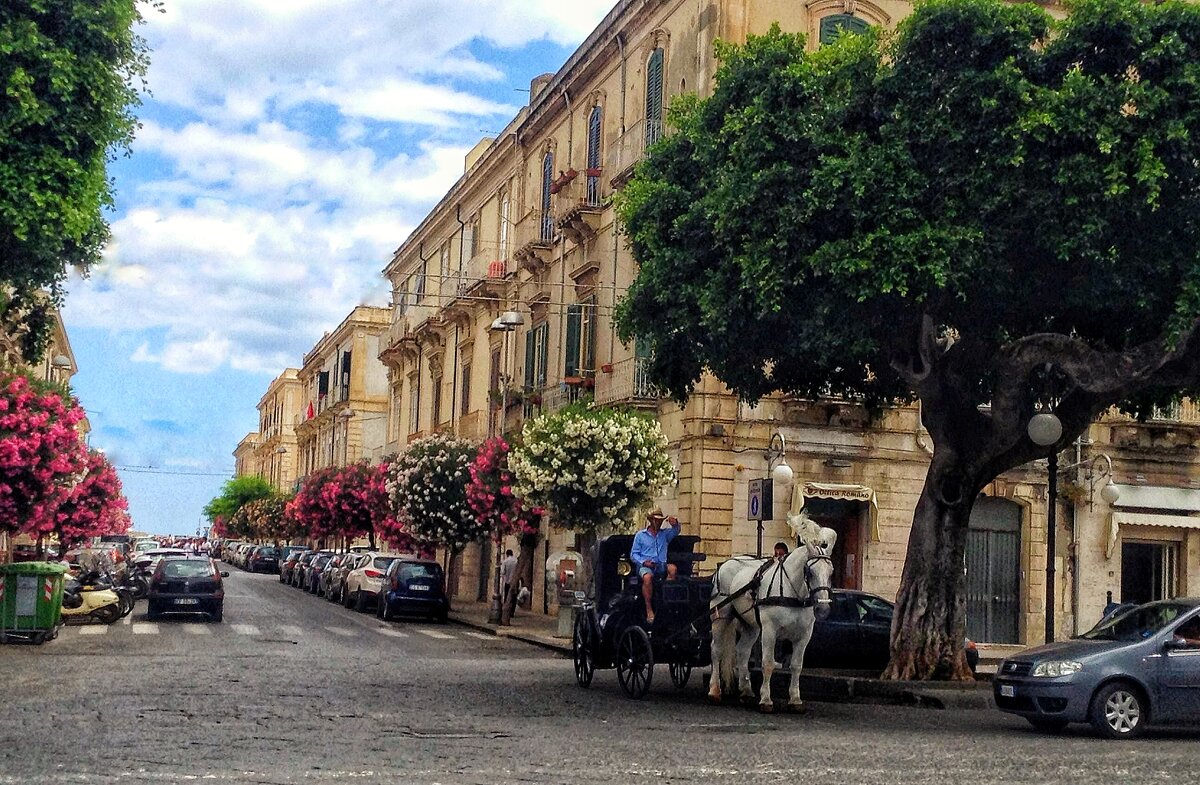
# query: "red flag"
[[309, 416]]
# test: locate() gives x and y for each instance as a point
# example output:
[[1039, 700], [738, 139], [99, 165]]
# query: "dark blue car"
[[1138, 667], [413, 587]]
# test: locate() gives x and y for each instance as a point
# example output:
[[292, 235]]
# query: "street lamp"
[[761, 491], [1044, 430], [504, 323], [61, 365]]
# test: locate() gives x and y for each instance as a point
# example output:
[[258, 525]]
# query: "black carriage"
[[611, 630]]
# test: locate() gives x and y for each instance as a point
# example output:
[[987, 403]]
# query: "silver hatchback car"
[[1138, 667]]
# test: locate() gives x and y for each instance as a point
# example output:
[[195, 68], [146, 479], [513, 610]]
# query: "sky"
[[286, 148]]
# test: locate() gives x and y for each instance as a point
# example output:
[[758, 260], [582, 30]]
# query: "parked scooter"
[[84, 597]]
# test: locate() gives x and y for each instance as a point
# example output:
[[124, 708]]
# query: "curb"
[[819, 686]]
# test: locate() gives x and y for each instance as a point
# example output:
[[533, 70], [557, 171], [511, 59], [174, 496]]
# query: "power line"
[[153, 470]]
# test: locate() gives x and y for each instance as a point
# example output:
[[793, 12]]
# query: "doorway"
[[844, 517], [1148, 571], [994, 571]]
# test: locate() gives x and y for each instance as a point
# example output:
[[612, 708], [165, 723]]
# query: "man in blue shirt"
[[649, 553]]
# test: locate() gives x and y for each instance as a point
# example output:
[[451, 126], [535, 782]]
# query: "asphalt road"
[[291, 689]]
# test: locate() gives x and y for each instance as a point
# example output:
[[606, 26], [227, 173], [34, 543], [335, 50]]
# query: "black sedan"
[[186, 586], [264, 558], [857, 634]]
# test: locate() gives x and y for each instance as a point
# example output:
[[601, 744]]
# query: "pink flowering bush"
[[95, 506], [42, 457], [267, 519], [490, 495], [341, 501], [427, 487]]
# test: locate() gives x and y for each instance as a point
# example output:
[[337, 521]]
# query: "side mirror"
[[224, 575]]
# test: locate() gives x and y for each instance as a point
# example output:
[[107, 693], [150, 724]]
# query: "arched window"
[[654, 97], [832, 26], [547, 225], [593, 156]]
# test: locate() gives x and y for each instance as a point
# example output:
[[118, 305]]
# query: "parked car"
[[337, 579], [298, 577], [413, 587], [328, 574], [312, 574], [364, 581], [264, 558], [186, 585], [289, 555], [857, 634], [1135, 668]]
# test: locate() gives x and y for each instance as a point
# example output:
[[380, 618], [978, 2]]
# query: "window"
[[547, 222], [832, 26], [345, 376], [465, 405], [537, 342], [505, 208], [593, 156], [581, 339], [414, 404], [436, 402], [654, 97], [418, 286]]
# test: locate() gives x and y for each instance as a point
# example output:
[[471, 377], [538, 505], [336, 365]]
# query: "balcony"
[[559, 396], [535, 234], [625, 152], [1185, 412], [483, 279], [577, 207], [627, 384], [473, 426]]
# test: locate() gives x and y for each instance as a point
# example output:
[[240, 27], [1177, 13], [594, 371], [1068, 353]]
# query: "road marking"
[[244, 629], [93, 630], [345, 633], [128, 619], [196, 629], [483, 636], [146, 628], [291, 630], [391, 633], [436, 634]]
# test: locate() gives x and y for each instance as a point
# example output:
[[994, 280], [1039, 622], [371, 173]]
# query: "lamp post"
[[761, 492], [278, 465], [344, 415], [504, 323], [1045, 429]]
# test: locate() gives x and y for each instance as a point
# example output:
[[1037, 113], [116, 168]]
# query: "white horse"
[[778, 601]]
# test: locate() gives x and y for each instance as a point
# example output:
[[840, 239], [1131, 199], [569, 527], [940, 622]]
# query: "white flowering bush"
[[427, 490], [590, 466]]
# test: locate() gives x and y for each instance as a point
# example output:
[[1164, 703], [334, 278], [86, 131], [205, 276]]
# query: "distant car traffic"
[[1137, 667]]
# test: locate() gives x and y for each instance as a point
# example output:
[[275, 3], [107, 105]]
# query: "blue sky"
[[286, 149]]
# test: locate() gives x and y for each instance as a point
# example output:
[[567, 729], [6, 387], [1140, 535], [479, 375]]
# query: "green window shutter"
[[832, 26], [654, 97], [543, 353], [574, 325], [593, 139], [529, 355]]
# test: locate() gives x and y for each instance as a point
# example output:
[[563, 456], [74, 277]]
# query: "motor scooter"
[[83, 599]]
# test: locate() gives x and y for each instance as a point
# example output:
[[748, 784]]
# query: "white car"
[[365, 580]]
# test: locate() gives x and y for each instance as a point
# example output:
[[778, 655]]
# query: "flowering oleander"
[[427, 487]]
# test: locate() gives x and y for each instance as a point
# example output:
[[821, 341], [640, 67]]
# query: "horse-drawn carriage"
[[715, 620], [611, 630]]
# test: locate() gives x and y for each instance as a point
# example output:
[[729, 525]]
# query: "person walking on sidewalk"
[[508, 568], [649, 553]]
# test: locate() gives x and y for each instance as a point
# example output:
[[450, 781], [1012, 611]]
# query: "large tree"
[[986, 210], [235, 494], [70, 75]]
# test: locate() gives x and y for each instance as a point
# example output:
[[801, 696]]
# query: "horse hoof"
[[796, 708], [766, 708], [715, 700]]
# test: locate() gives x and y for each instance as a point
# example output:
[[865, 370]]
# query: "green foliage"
[[70, 75], [984, 165], [235, 494]]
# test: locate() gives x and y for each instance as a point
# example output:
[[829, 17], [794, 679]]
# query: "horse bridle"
[[808, 574]]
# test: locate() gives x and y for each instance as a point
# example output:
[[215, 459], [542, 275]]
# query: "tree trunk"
[[525, 562], [929, 625]]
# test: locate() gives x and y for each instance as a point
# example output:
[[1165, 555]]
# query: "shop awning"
[[1120, 519], [826, 490]]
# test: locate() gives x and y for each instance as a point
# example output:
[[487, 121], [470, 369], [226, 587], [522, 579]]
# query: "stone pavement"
[[815, 684]]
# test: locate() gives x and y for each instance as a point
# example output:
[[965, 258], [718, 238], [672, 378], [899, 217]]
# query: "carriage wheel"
[[635, 662], [680, 673], [582, 650]]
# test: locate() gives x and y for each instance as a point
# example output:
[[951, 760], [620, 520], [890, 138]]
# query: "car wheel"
[[1119, 711], [216, 616], [1047, 726], [360, 602]]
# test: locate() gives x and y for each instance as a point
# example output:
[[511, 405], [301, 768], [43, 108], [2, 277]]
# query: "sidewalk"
[[815, 684]]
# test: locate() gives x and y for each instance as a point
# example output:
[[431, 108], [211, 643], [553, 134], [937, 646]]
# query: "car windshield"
[[267, 552], [1137, 623], [410, 570], [187, 568]]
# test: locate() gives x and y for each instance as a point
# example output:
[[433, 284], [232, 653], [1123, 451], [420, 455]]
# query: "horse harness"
[[768, 599]]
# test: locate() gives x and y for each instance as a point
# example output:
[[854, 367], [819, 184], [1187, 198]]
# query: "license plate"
[[187, 601], [419, 588], [1008, 691]]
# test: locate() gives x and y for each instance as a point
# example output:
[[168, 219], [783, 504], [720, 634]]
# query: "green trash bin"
[[30, 601]]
